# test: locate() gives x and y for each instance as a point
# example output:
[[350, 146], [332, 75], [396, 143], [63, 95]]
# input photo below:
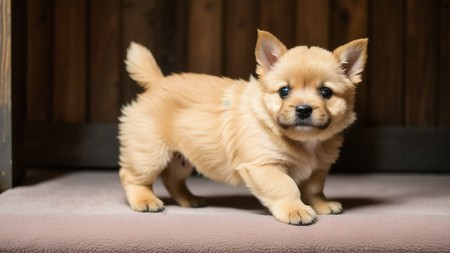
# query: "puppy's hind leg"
[[174, 178], [138, 172], [139, 192]]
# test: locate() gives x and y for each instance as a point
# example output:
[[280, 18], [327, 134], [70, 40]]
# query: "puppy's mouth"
[[304, 124]]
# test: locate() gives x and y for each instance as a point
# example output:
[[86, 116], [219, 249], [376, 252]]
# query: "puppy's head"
[[309, 92]]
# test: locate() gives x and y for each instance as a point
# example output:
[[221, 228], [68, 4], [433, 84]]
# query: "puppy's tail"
[[141, 65]]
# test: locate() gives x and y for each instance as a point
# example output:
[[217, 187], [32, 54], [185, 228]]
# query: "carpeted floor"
[[87, 212]]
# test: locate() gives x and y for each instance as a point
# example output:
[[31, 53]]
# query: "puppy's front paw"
[[147, 205], [295, 214], [327, 207]]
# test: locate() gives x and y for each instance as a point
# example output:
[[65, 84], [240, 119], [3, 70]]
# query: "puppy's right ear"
[[268, 50]]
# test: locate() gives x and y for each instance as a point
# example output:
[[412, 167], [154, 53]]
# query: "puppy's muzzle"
[[304, 117]]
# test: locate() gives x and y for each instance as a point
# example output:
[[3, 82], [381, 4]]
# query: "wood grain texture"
[[386, 68], [69, 83], [349, 21], [39, 60], [444, 64], [312, 21], [140, 23], [105, 61], [421, 63], [18, 83], [5, 97], [73, 66], [240, 38], [76, 57], [173, 36], [277, 17], [205, 37]]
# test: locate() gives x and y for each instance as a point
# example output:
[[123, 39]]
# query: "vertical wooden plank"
[[444, 64], [18, 83], [349, 21], [69, 100], [205, 37], [39, 60], [421, 62], [312, 21], [172, 37], [104, 60], [5, 97], [140, 21], [240, 38], [386, 51], [277, 17]]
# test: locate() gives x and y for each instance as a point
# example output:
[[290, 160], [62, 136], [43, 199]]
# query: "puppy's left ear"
[[268, 50], [352, 57]]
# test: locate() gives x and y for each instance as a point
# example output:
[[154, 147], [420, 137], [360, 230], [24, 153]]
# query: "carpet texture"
[[87, 212]]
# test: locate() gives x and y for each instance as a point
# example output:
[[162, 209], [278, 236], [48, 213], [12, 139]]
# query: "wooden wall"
[[75, 51]]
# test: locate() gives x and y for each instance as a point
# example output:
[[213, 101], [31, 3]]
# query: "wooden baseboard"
[[87, 145], [396, 150], [365, 149]]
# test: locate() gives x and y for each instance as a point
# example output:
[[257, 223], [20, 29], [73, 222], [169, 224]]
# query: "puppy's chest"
[[304, 161]]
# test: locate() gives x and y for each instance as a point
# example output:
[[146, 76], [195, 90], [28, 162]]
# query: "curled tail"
[[141, 65]]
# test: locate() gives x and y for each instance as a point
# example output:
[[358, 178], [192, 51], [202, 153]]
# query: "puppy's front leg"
[[312, 189], [312, 193], [278, 192]]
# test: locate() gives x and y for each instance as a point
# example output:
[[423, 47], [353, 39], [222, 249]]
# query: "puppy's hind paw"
[[198, 202], [147, 205], [192, 201]]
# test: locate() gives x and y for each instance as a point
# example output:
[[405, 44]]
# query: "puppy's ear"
[[268, 50], [352, 57]]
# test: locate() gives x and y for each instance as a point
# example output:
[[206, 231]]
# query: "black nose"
[[303, 111]]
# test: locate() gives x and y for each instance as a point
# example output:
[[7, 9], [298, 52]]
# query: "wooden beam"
[[5, 97], [18, 86]]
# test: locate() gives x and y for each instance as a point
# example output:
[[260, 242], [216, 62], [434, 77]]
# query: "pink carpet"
[[87, 212]]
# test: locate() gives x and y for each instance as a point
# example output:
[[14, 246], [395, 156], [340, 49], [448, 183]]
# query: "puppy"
[[277, 134]]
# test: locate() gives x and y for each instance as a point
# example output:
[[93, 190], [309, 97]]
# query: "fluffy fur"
[[237, 131]]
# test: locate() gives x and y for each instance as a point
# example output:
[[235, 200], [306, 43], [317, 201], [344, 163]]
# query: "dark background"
[[70, 81]]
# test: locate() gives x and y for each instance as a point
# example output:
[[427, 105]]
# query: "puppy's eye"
[[325, 92], [284, 91]]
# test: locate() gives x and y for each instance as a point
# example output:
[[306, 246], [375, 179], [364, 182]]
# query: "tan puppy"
[[278, 134]]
